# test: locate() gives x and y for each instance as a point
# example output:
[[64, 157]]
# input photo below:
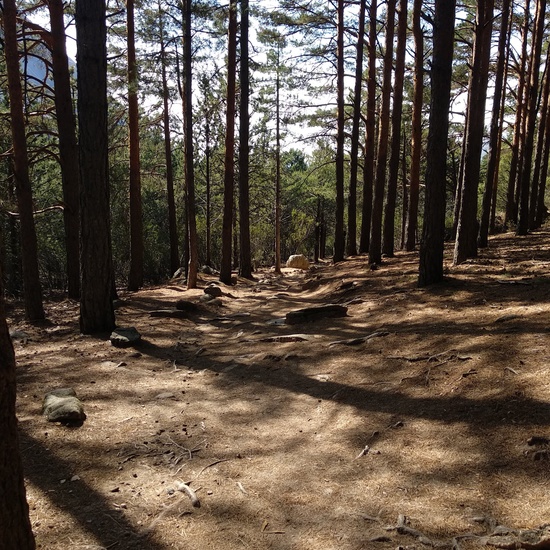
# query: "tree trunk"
[[68, 147], [524, 206], [541, 207], [96, 306], [375, 248], [208, 185], [229, 173], [278, 166], [467, 230], [29, 250], [135, 277], [370, 130], [354, 160], [172, 220], [416, 137], [494, 135], [395, 156], [431, 248], [538, 176], [511, 200], [245, 263], [15, 526], [188, 145], [339, 238]]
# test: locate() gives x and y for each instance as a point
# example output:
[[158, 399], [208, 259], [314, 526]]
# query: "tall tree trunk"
[[494, 135], [29, 250], [68, 147], [467, 230], [511, 199], [395, 156], [188, 144], [135, 277], [339, 238], [172, 220], [278, 165], [539, 174], [15, 526], [541, 207], [229, 173], [96, 305], [354, 155], [208, 185], [375, 248], [245, 263], [524, 206], [370, 130], [432, 244], [416, 137]]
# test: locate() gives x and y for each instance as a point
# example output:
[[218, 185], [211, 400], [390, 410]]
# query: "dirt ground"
[[404, 424]]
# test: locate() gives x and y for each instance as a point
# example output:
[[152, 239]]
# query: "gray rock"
[[315, 313], [186, 305], [123, 337], [214, 291], [174, 313], [298, 261], [62, 405]]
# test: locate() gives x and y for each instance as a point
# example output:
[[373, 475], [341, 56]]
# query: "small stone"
[[165, 395]]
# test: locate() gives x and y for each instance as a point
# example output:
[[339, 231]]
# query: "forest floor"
[[412, 433]]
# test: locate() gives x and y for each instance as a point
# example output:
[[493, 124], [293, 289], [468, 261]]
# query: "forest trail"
[[405, 423]]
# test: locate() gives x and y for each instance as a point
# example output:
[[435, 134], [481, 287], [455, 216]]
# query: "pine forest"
[[162, 166]]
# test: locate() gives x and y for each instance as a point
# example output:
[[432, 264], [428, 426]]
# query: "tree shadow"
[[45, 469]]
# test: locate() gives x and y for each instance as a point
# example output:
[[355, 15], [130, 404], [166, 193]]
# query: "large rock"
[[298, 261], [315, 313], [62, 405], [124, 337], [214, 291]]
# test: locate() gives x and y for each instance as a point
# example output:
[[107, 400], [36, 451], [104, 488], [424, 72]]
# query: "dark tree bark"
[[188, 149], [467, 230], [245, 263], [172, 223], [229, 173], [278, 165], [539, 168], [370, 130], [135, 277], [339, 238], [68, 147], [15, 526], [511, 198], [494, 135], [416, 137], [375, 248], [96, 306], [29, 251], [395, 156], [542, 159], [432, 244], [354, 155], [526, 207]]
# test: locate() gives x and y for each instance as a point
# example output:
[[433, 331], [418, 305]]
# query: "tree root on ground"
[[498, 536]]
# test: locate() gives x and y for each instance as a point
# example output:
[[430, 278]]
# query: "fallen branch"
[[357, 341], [208, 466], [184, 488]]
